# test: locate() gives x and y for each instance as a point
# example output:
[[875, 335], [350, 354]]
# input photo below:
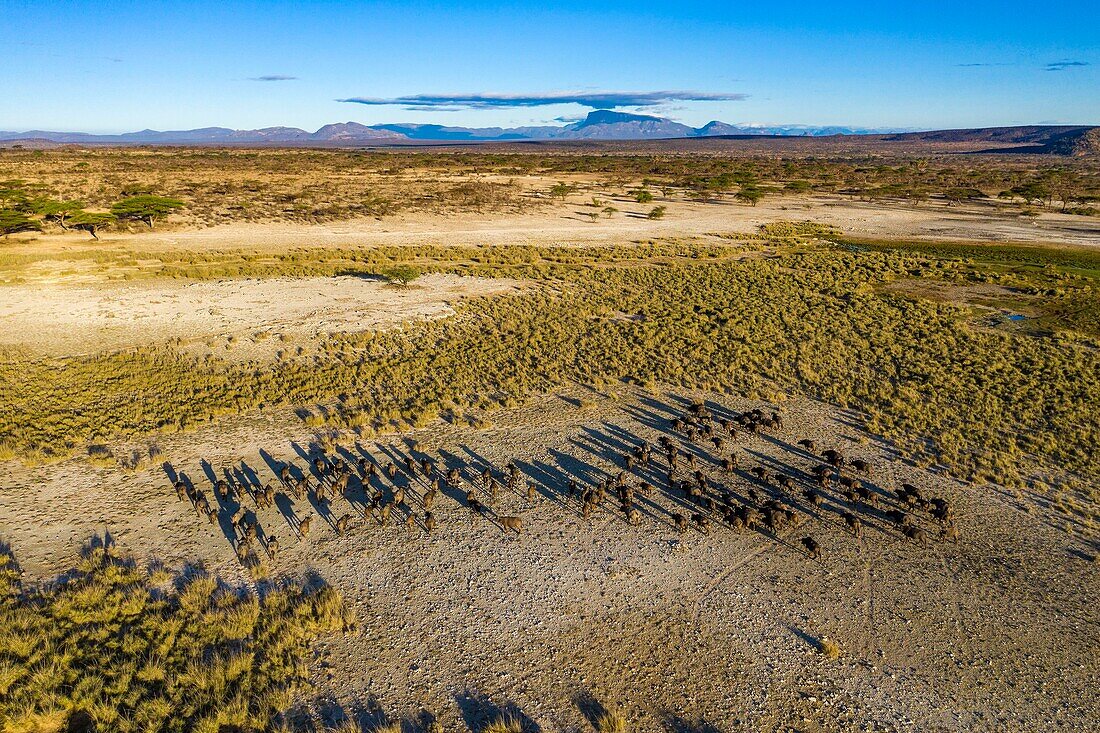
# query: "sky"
[[108, 67]]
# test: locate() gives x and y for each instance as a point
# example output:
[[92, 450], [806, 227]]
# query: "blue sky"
[[119, 66]]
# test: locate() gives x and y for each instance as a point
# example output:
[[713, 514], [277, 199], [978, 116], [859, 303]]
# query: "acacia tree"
[[15, 194], [561, 190], [90, 221], [722, 183], [1036, 191], [749, 195], [1066, 187], [57, 211], [959, 194], [145, 208], [12, 222]]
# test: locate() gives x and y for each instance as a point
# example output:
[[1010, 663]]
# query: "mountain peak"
[[352, 131], [611, 117]]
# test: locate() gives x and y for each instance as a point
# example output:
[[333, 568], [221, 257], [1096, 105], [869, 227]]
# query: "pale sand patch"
[[247, 316]]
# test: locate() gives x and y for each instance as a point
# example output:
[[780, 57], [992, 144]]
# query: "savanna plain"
[[548, 439]]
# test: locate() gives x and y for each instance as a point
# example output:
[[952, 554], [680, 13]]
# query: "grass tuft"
[[828, 648], [504, 724], [611, 722]]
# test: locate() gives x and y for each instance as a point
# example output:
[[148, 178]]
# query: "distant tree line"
[[23, 210]]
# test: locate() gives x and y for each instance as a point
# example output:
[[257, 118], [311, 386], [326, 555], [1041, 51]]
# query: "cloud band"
[[1063, 65], [594, 100]]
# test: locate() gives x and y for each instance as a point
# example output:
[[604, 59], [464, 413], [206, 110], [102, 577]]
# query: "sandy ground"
[[249, 319], [682, 632], [568, 224]]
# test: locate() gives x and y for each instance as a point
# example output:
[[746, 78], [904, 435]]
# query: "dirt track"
[[567, 223]]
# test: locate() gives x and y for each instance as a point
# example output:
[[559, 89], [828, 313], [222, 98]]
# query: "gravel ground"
[[678, 631]]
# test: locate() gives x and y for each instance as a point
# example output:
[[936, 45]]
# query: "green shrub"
[[401, 274]]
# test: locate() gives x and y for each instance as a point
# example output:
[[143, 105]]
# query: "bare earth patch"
[[242, 318], [565, 224], [981, 295]]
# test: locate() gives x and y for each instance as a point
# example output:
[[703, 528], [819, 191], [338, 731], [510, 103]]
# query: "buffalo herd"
[[697, 476]]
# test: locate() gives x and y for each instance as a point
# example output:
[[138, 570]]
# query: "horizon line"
[[857, 129]]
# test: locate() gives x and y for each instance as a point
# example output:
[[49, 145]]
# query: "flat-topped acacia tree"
[[749, 194], [12, 222], [90, 221], [57, 211], [146, 208]]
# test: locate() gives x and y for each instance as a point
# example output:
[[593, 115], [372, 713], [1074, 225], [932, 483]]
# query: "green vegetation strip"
[[1085, 260], [305, 262]]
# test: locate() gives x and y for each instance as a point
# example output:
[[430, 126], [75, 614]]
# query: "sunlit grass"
[[111, 640]]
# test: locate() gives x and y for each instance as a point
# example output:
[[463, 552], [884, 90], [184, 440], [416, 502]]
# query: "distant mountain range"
[[1074, 140], [598, 125], [351, 132]]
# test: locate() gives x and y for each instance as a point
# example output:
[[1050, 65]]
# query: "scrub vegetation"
[[113, 187], [141, 649], [980, 360]]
